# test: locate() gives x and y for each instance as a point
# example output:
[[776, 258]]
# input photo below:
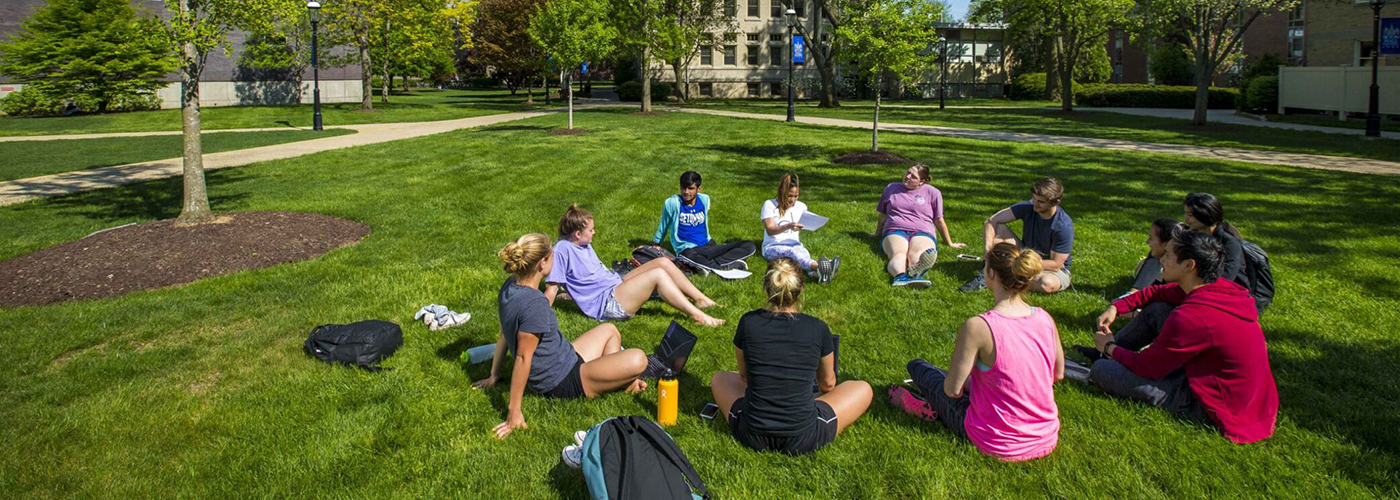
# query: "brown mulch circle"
[[869, 157], [647, 113], [158, 254], [568, 131]]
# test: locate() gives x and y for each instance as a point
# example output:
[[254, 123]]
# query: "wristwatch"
[[1107, 346]]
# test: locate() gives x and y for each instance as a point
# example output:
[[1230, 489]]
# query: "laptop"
[[672, 352]]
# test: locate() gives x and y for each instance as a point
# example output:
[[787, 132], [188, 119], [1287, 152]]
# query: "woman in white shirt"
[[781, 225]]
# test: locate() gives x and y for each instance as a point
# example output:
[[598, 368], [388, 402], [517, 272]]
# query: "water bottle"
[[668, 397], [478, 354]]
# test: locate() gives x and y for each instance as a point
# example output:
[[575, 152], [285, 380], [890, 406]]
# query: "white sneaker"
[[572, 456], [579, 437], [425, 311]]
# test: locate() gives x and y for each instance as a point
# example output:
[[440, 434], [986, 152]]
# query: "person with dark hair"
[[998, 391], [1203, 212], [1046, 228], [1149, 269], [782, 226], [910, 212], [1195, 349], [685, 220], [769, 402]]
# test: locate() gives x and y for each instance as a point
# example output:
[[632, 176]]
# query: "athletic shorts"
[[821, 434], [909, 235], [613, 310], [572, 385], [1063, 275]]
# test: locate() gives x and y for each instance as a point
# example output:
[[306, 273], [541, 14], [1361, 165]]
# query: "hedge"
[[1123, 95], [1262, 95], [1031, 87], [632, 91]]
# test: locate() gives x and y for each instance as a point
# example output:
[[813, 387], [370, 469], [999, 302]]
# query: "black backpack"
[[1259, 274], [363, 343], [632, 458]]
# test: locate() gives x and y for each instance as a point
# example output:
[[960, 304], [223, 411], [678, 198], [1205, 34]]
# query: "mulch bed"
[[568, 131], [158, 254], [869, 157]]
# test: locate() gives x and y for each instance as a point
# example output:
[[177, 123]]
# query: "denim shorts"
[[909, 235]]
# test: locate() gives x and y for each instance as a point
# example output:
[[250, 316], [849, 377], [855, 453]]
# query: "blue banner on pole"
[[1390, 36], [799, 51], [585, 67]]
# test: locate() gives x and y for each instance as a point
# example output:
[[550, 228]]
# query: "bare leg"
[[681, 280], [1000, 234], [897, 249], [850, 399], [917, 247], [1046, 283], [728, 387], [601, 341], [614, 371], [631, 294]]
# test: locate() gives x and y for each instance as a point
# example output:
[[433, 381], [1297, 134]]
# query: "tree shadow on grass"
[[567, 481], [152, 200]]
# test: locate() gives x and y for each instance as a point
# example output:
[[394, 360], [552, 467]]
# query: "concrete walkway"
[[1358, 165], [1229, 116], [19, 191]]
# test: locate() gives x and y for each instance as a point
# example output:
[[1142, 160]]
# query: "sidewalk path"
[[1229, 116], [1358, 165], [23, 138], [21, 190]]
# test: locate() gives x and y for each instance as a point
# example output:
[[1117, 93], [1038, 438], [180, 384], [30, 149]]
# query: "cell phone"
[[709, 411], [964, 256]]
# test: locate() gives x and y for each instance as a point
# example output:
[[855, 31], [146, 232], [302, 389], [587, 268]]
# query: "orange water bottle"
[[668, 397]]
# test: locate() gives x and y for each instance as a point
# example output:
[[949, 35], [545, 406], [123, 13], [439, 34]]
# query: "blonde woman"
[[546, 363], [782, 231], [781, 352]]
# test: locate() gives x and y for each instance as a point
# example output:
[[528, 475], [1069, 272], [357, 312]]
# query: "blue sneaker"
[[926, 262], [919, 283], [901, 280]]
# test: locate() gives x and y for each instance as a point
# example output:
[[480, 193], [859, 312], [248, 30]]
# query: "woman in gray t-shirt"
[[545, 363]]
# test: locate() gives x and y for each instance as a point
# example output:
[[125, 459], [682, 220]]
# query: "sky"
[[959, 8]]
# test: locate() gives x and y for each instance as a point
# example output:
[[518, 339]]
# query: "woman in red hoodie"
[[1196, 349]]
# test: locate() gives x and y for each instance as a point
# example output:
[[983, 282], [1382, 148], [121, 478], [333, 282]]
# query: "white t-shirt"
[[794, 214]]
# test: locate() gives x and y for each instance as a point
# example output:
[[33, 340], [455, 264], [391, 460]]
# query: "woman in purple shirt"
[[909, 213]]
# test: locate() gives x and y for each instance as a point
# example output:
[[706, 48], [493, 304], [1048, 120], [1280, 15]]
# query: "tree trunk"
[[1066, 88], [194, 208], [646, 78], [680, 87], [828, 94], [384, 86], [530, 91], [569, 85], [1203, 78], [366, 72], [826, 62], [875, 129], [405, 83], [1052, 69]]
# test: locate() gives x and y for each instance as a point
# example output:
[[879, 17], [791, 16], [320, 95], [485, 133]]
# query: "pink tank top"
[[1013, 414]]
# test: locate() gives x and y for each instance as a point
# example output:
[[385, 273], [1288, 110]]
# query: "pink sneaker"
[[903, 399]]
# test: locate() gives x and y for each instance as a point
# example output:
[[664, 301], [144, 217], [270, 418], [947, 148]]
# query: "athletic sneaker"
[[976, 283], [825, 269], [738, 264], [835, 266], [926, 262], [572, 456], [901, 280], [1089, 353], [579, 436], [919, 283], [903, 399], [1076, 372]]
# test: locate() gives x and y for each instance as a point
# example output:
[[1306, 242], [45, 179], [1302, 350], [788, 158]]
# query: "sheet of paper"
[[811, 221], [732, 274]]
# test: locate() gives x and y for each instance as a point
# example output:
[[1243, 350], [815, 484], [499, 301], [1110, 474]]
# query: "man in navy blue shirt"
[[1045, 228]]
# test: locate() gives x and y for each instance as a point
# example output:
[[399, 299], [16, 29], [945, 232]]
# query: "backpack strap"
[[667, 446]]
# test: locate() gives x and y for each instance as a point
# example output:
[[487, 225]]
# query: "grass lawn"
[[1105, 125], [417, 105], [970, 101], [202, 390], [25, 159], [1323, 121]]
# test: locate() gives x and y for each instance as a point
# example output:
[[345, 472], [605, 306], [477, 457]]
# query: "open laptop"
[[672, 352]]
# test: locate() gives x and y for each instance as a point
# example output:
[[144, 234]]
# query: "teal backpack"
[[632, 458]]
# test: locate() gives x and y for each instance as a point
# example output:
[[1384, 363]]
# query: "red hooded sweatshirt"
[[1214, 333]]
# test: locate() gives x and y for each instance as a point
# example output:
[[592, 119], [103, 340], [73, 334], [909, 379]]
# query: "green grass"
[[1323, 121], [970, 101], [25, 159], [414, 106], [1105, 125], [202, 390]]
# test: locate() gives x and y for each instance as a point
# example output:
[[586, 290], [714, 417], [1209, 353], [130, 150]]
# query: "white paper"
[[731, 274], [811, 221]]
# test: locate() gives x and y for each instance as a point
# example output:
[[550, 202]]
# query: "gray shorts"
[[613, 310], [1063, 275]]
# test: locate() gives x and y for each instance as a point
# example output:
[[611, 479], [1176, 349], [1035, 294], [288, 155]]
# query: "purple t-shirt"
[[585, 277], [911, 210]]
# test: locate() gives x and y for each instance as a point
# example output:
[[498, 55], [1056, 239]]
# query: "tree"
[[639, 24], [889, 37], [501, 39], [571, 32], [353, 22], [93, 52], [1213, 31], [825, 13], [684, 28], [198, 27], [1074, 27]]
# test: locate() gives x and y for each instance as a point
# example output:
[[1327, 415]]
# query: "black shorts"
[[572, 385], [821, 434]]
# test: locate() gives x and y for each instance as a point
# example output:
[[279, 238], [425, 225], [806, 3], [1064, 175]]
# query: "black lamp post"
[[314, 8], [943, 77], [1373, 111], [791, 18]]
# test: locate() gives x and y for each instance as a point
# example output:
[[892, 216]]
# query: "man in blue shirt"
[[685, 220], [1045, 228]]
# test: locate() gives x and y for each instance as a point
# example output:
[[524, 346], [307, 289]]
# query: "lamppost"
[[791, 19], [943, 77], [1373, 111], [314, 8]]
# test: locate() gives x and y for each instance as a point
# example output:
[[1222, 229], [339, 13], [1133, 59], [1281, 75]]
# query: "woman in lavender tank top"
[[998, 391]]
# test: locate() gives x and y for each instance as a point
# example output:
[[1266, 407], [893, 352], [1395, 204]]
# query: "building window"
[[776, 89], [753, 37], [729, 58], [707, 89], [753, 54], [775, 38], [706, 56], [731, 8], [753, 8], [754, 89], [801, 7], [777, 9], [1296, 27], [775, 55]]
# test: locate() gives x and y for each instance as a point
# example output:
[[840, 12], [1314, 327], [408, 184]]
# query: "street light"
[[1373, 111], [314, 9], [791, 21]]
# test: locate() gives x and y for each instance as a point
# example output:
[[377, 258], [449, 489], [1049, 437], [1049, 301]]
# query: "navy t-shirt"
[[1055, 234], [691, 223]]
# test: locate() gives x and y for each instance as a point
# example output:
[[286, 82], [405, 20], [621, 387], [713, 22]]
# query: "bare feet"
[[637, 387], [704, 304], [707, 320]]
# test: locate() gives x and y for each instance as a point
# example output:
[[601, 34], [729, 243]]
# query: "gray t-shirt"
[[524, 309]]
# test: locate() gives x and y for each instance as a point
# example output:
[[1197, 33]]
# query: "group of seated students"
[[1193, 345]]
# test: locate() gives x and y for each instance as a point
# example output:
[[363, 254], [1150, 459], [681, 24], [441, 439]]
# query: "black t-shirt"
[[783, 353]]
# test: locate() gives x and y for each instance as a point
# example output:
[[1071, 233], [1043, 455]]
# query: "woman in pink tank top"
[[998, 391]]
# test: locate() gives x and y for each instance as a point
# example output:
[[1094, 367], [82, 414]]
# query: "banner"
[[1390, 36], [799, 51]]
